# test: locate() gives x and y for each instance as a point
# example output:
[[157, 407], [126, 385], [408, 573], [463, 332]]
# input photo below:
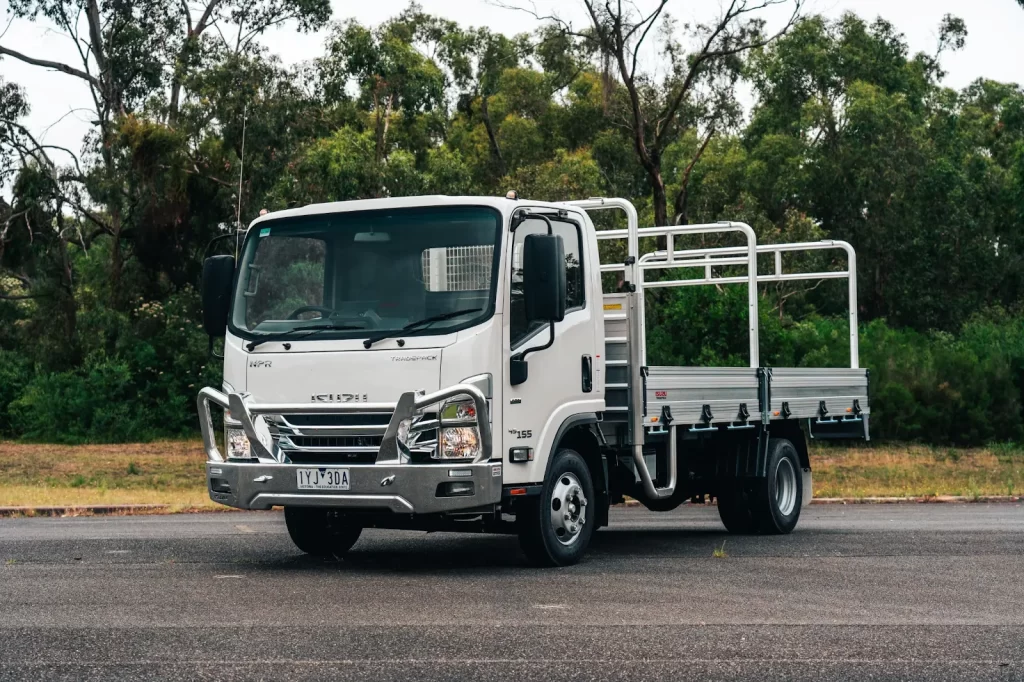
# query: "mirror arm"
[[522, 215], [547, 220], [219, 238], [521, 355]]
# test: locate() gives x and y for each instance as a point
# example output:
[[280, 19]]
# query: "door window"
[[575, 289]]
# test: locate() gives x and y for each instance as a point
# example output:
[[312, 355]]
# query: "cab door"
[[561, 381]]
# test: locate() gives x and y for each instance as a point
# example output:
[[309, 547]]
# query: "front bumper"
[[402, 489], [392, 482]]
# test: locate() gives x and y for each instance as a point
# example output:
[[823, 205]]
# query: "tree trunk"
[[492, 137], [69, 307], [660, 198], [683, 195], [682, 199], [172, 107], [117, 295]]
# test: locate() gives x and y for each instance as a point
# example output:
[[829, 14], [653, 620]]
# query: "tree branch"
[[707, 53], [47, 64], [652, 18], [684, 188], [188, 16], [205, 17], [92, 14]]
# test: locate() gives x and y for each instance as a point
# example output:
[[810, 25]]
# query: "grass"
[[163, 472], [172, 473], [894, 470]]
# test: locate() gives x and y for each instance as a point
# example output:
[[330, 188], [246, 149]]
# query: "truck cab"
[[452, 363]]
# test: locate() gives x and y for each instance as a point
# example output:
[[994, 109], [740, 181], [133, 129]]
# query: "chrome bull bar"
[[410, 405]]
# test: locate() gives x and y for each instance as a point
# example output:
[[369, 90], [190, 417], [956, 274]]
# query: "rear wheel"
[[769, 505], [320, 531], [555, 528], [777, 506], [734, 508]]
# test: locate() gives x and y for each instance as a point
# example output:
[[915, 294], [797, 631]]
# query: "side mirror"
[[544, 288], [544, 292], [218, 275]]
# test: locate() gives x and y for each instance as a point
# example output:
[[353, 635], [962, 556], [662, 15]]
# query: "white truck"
[[453, 364]]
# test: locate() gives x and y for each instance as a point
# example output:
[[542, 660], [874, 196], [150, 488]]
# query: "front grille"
[[303, 442], [359, 419], [339, 438]]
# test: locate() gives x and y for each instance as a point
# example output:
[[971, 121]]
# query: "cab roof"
[[503, 204]]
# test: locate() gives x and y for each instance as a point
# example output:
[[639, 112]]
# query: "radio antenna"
[[241, 172]]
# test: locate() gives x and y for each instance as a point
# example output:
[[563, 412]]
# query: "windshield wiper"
[[312, 329], [418, 323]]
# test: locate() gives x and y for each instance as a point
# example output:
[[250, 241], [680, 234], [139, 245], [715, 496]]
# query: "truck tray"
[[731, 395]]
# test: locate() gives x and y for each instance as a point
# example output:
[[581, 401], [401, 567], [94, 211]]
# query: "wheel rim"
[[568, 509], [784, 485]]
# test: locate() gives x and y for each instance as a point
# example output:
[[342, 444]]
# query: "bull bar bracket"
[[391, 483]]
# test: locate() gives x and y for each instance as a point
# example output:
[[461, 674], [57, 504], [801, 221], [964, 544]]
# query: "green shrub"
[[95, 403], [139, 382], [962, 389], [15, 373]]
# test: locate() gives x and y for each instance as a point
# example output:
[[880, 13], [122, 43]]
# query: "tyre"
[[769, 505], [777, 506], [320, 531], [555, 528], [735, 509]]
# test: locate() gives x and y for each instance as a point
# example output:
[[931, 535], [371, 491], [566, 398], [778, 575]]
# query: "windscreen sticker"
[[264, 232]]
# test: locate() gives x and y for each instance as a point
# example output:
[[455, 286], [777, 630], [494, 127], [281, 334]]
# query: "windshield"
[[369, 272]]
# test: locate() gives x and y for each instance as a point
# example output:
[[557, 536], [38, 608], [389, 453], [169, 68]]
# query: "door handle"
[[588, 374]]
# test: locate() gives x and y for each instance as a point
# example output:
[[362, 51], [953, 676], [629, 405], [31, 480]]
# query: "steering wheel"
[[324, 312], [368, 320]]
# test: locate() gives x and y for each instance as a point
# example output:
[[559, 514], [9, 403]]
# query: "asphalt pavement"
[[930, 592]]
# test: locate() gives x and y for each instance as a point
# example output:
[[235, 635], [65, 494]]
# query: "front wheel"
[[555, 528], [320, 531]]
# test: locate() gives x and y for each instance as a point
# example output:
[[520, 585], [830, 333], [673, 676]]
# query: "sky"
[[995, 43]]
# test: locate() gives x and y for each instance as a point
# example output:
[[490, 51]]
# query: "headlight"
[[237, 443], [459, 437], [458, 442], [458, 410]]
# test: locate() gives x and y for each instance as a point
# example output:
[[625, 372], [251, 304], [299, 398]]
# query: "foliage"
[[141, 388], [965, 388], [198, 127]]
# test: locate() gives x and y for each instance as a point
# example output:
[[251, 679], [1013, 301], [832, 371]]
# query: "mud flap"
[[808, 488]]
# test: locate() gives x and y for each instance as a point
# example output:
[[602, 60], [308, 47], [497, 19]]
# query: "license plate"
[[323, 478]]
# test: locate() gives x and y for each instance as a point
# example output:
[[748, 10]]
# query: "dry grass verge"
[[917, 471], [164, 472], [172, 473]]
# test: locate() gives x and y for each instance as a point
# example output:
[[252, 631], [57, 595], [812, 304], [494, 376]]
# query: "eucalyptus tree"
[[477, 59], [697, 91], [393, 78], [858, 133], [36, 229], [134, 55]]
